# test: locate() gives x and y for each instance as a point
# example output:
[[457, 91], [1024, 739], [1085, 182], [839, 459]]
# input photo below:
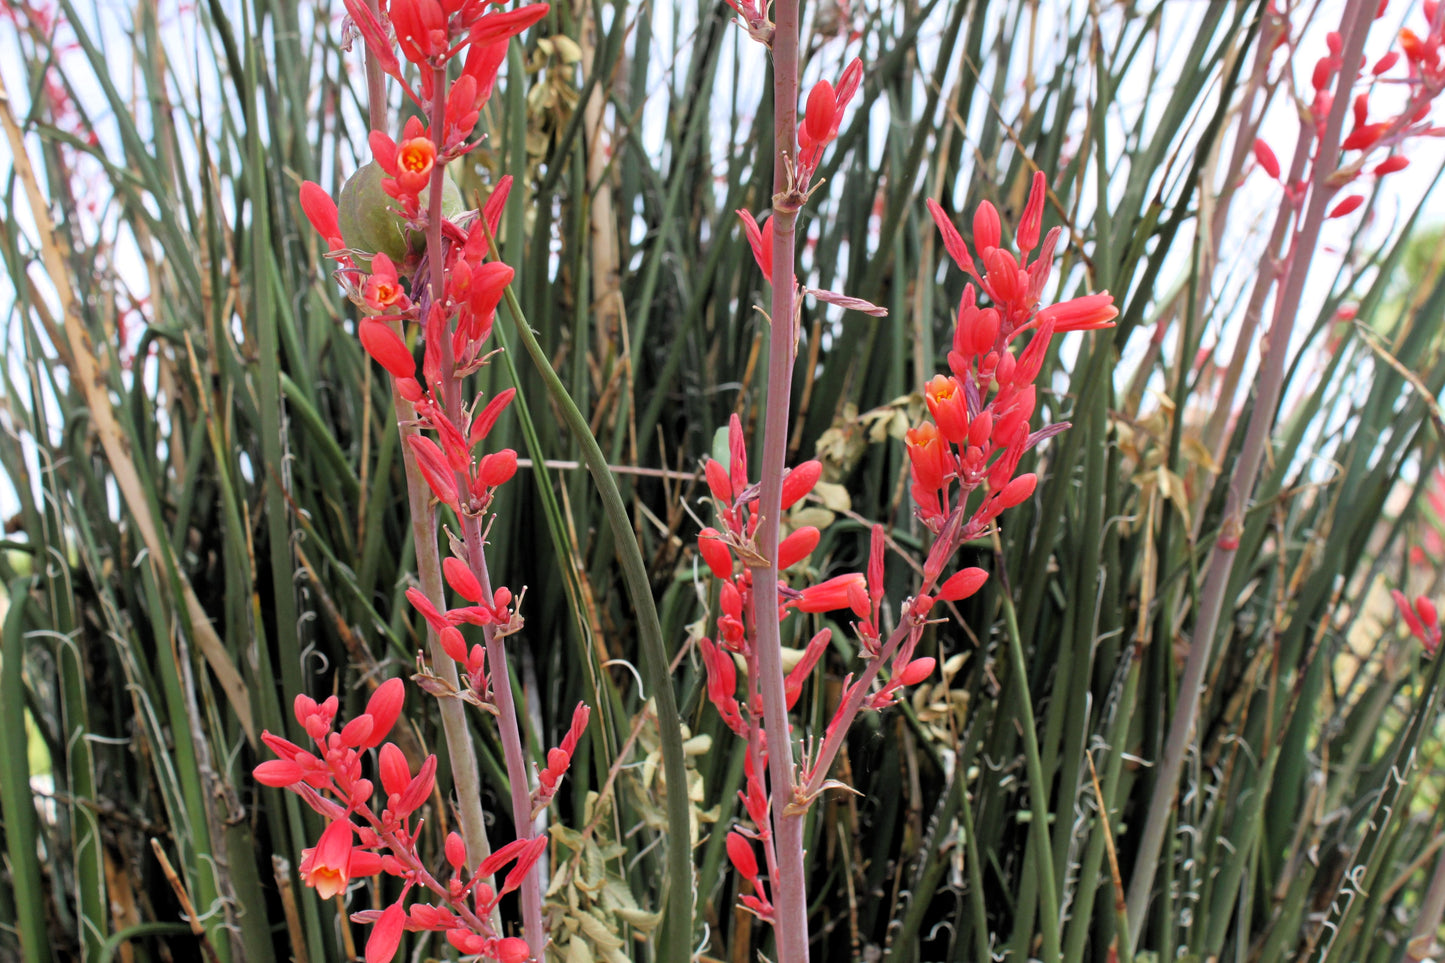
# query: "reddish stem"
[[790, 887]]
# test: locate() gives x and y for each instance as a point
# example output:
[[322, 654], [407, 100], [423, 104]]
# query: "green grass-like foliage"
[[209, 512]]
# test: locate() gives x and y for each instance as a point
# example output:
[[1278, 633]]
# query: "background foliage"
[[206, 509]]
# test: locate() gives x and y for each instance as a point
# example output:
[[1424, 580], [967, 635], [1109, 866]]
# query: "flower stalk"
[[790, 881]]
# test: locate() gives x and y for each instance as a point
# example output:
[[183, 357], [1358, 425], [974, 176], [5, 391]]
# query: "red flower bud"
[[320, 210], [822, 111], [278, 773], [1018, 490], [1032, 223], [798, 482], [962, 584], [1390, 165], [387, 348], [456, 851], [384, 707], [419, 788], [740, 852], [453, 643], [1267, 161], [385, 936], [355, 732], [482, 423], [461, 579], [1426, 609], [797, 546], [987, 232], [715, 552], [395, 773], [512, 949], [952, 242], [1346, 206], [498, 468], [915, 671]]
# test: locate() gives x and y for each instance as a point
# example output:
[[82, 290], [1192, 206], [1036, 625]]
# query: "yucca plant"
[[1182, 719]]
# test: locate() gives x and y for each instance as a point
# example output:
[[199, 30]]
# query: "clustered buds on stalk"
[[410, 256], [366, 838], [1421, 619], [1366, 138]]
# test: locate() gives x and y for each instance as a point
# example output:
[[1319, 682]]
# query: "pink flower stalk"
[[446, 297], [976, 435]]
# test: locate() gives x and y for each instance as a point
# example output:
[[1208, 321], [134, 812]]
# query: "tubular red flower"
[[945, 399], [1087, 313], [839, 592], [421, 29], [329, 863], [506, 24], [929, 457]]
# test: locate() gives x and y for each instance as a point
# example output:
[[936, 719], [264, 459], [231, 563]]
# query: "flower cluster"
[[1421, 619], [1368, 136], [977, 433], [981, 412], [369, 834]]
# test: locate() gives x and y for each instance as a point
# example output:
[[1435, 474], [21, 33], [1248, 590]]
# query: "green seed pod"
[[370, 223]]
